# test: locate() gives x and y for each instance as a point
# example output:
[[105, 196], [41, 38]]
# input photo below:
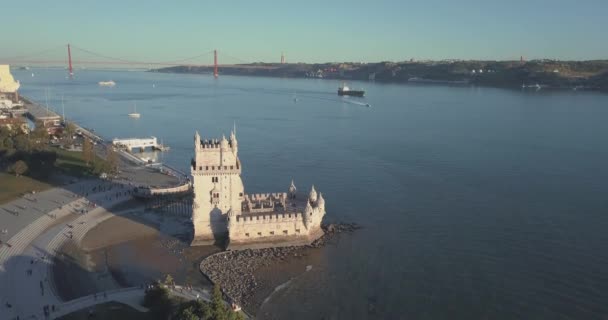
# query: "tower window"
[[284, 231], [259, 233], [206, 167], [247, 234]]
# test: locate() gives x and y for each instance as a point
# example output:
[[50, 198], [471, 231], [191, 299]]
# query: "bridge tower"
[[70, 61], [282, 58], [215, 74]]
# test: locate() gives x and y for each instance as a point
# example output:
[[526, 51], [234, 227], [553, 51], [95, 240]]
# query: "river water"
[[475, 202]]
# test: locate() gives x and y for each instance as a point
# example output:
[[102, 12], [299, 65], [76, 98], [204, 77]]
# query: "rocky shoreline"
[[235, 271]]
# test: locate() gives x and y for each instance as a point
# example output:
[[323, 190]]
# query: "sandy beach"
[[126, 251], [141, 247]]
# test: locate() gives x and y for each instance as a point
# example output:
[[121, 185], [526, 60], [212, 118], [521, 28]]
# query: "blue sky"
[[311, 31]]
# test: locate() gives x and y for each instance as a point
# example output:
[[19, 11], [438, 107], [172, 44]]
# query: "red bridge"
[[77, 56]]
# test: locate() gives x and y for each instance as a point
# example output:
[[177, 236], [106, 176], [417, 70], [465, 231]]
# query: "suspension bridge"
[[75, 56]]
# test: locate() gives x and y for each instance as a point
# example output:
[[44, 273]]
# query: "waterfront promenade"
[[27, 251], [26, 258], [35, 226]]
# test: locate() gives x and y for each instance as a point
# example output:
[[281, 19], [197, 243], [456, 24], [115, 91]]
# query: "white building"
[[222, 211], [9, 95]]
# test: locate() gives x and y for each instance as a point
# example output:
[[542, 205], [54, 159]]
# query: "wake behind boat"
[[346, 91], [106, 83]]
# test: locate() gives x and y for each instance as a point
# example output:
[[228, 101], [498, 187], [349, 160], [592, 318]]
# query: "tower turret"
[[312, 196], [292, 191], [321, 202], [233, 142], [224, 143], [307, 215], [197, 141]]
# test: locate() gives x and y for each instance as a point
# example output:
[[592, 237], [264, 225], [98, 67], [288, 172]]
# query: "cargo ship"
[[346, 91]]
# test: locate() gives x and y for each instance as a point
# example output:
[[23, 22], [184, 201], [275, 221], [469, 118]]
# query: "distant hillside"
[[590, 75]]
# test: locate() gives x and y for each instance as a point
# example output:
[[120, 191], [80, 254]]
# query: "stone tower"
[[218, 188]]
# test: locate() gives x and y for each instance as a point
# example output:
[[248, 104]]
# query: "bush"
[[158, 301], [18, 168], [214, 310]]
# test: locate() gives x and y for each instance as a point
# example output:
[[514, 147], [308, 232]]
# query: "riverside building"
[[223, 211]]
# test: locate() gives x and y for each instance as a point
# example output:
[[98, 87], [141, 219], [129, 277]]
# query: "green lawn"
[[12, 187], [71, 163], [108, 310]]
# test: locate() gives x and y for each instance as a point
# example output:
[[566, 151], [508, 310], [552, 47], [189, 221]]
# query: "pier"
[[39, 114], [138, 143]]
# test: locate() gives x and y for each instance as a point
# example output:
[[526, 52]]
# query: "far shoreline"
[[547, 74]]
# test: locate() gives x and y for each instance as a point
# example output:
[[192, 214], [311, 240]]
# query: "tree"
[[19, 167], [87, 151], [6, 143], [169, 280], [21, 143], [187, 314], [39, 137], [112, 160], [70, 129], [158, 301], [218, 310], [191, 308], [6, 140], [42, 163], [68, 133]]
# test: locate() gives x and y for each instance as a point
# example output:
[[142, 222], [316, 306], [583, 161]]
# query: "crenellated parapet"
[[215, 169], [302, 221], [267, 218]]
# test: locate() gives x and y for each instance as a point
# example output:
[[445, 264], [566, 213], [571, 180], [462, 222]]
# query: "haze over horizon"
[[314, 31]]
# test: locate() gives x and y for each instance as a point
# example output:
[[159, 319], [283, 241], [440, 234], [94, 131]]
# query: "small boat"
[[134, 114], [346, 91], [162, 147], [106, 83], [368, 105]]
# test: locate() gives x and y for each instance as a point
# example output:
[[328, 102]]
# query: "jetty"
[[139, 143]]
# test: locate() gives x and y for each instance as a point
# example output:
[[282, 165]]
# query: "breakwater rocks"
[[235, 271], [330, 230]]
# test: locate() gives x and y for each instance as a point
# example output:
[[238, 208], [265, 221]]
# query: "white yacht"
[[134, 114], [107, 83]]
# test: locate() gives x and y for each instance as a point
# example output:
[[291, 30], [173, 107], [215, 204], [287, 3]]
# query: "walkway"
[[25, 258], [132, 297]]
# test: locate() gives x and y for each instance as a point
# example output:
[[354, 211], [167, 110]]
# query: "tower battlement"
[[221, 209]]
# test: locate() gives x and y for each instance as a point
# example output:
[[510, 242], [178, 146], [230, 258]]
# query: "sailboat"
[[134, 114]]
